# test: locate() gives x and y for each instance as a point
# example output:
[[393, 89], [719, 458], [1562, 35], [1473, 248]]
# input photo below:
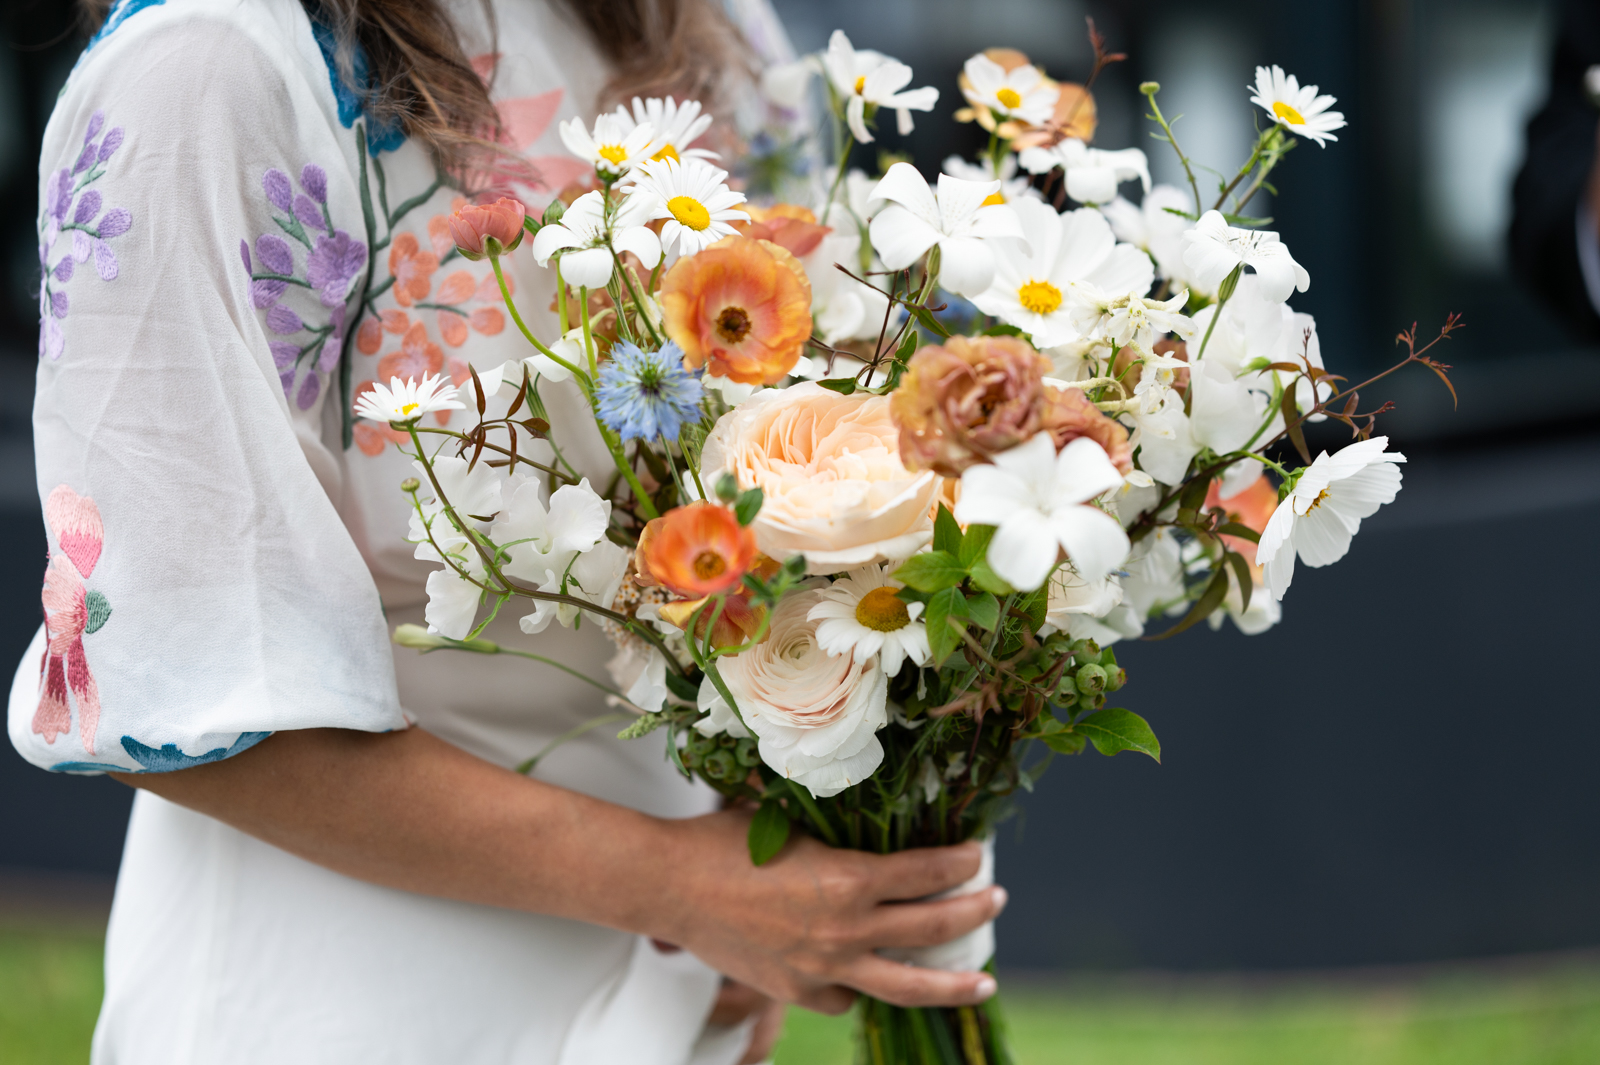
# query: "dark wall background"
[[1400, 771]]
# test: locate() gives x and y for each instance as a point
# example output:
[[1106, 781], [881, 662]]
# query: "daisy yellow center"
[[1009, 98], [408, 408], [690, 212], [992, 199], [882, 611], [667, 152], [861, 83], [708, 565], [615, 154], [1039, 297], [1287, 113], [733, 324]]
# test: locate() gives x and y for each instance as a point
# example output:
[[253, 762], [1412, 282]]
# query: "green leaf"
[[1245, 220], [1243, 532], [975, 544], [943, 637], [1035, 605], [933, 571], [988, 580], [984, 610], [926, 319], [1115, 729], [1065, 742], [682, 686], [748, 506], [946, 533], [98, 611], [531, 224], [1214, 593], [843, 385], [902, 359], [1002, 330], [1241, 571], [1229, 283], [769, 831], [1291, 422]]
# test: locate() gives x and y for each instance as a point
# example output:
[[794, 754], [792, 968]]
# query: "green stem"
[[588, 335], [571, 734], [624, 467], [1188, 171], [499, 275], [638, 300]]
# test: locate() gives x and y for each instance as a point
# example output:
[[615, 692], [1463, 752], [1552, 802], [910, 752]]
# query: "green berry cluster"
[[721, 757]]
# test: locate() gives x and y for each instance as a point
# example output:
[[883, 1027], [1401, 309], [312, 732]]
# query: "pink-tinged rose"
[[829, 467], [474, 227], [815, 715], [1068, 414]]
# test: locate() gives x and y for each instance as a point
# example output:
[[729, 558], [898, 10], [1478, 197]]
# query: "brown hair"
[[420, 78]]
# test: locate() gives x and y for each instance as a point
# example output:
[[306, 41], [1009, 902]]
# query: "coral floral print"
[[71, 611]]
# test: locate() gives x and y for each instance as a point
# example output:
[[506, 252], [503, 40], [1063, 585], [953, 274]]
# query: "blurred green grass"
[[1520, 1013]]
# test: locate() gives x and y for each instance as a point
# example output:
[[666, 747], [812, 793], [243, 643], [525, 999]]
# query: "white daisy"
[[616, 145], [1012, 187], [860, 612], [1092, 175], [1298, 110], [404, 402], [958, 219], [1317, 520], [676, 125], [1021, 93], [585, 241], [871, 79], [1031, 281], [694, 198], [1216, 249]]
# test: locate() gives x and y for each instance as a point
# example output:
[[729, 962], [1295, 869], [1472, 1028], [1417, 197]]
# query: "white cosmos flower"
[[403, 402], [1020, 93], [676, 125], [1012, 187], [694, 198], [1092, 174], [616, 146], [845, 309], [585, 242], [1031, 281], [957, 219], [865, 77], [1317, 520], [1216, 248], [1036, 500], [1155, 229], [861, 615], [1299, 110]]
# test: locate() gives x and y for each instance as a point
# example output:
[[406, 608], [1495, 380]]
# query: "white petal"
[[1094, 540], [900, 237], [905, 185], [966, 264], [589, 268], [642, 242], [1024, 549]]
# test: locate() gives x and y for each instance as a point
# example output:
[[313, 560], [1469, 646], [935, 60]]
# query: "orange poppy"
[[741, 307], [696, 550], [787, 225]]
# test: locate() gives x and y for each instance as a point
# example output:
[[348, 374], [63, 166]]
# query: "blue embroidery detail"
[[88, 767], [379, 138], [119, 14], [168, 757]]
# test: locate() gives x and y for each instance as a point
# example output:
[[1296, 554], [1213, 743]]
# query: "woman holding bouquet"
[[330, 859]]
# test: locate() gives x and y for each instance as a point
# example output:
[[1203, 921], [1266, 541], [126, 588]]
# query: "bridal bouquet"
[[897, 466]]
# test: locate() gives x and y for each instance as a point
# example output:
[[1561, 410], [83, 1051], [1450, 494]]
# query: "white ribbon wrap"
[[970, 952]]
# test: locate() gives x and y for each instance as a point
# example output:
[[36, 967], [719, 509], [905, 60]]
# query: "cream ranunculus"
[[829, 467], [815, 715]]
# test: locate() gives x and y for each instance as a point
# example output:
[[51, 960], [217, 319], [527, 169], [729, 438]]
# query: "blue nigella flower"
[[647, 394]]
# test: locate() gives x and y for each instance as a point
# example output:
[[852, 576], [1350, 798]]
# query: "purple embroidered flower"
[[244, 253], [308, 212], [328, 358], [115, 222], [308, 391], [265, 293], [97, 122], [112, 142], [333, 264], [283, 321], [59, 196], [88, 207], [51, 339], [274, 253], [105, 261], [58, 304], [82, 246], [286, 379], [85, 160], [276, 184], [63, 269], [315, 181], [284, 354]]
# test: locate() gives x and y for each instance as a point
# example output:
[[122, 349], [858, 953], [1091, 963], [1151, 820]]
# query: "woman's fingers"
[[927, 924], [832, 1000], [765, 1035], [908, 985], [923, 871]]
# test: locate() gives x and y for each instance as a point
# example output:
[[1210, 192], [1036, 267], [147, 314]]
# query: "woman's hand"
[[804, 927]]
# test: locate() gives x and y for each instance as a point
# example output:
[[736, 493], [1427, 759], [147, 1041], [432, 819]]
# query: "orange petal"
[[369, 338], [458, 287], [453, 328], [488, 321]]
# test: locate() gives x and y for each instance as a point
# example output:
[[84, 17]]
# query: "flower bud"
[[1092, 679], [483, 231], [746, 754], [720, 765], [410, 484], [554, 213], [1116, 677], [1149, 88]]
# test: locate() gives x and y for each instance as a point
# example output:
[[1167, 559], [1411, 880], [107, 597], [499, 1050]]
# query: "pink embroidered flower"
[[412, 269], [71, 611]]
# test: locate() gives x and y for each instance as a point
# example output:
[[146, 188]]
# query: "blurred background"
[[1402, 772]]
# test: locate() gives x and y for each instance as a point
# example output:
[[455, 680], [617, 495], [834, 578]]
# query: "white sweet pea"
[[1021, 93], [1317, 520], [1076, 606], [452, 600], [1299, 110], [474, 495], [845, 309], [559, 548], [1031, 281], [1216, 248], [956, 219], [616, 145], [863, 78], [1163, 436], [1092, 174], [1154, 228], [722, 718], [588, 245], [1036, 500]]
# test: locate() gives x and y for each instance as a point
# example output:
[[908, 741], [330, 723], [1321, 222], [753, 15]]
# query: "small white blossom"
[[676, 126], [1092, 174], [694, 198], [1012, 186], [616, 145], [866, 78], [1021, 93], [1216, 249], [861, 615], [405, 402], [957, 219]]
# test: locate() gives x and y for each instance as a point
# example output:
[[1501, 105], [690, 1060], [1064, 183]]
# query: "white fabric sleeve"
[[201, 590]]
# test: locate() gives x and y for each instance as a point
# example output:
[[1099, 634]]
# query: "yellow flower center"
[[615, 154], [991, 199], [690, 212], [882, 611], [1040, 297], [708, 565], [733, 324], [1287, 113], [1009, 98], [667, 152], [1317, 502], [406, 410], [861, 83]]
